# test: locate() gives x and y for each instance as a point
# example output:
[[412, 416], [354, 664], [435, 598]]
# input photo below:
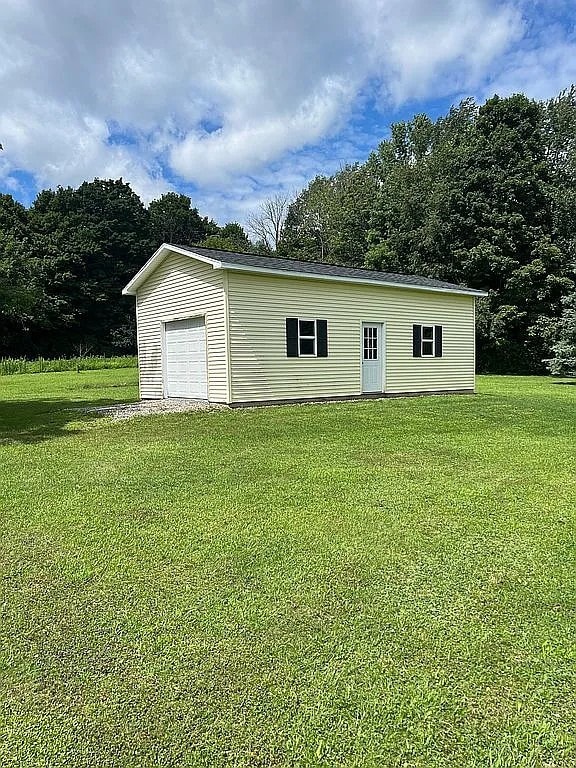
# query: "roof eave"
[[132, 287], [360, 280]]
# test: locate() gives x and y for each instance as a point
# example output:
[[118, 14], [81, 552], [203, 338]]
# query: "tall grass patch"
[[16, 365]]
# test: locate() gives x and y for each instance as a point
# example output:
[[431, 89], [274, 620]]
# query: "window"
[[306, 338], [427, 340]]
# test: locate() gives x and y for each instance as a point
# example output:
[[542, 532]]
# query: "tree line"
[[485, 196], [65, 259]]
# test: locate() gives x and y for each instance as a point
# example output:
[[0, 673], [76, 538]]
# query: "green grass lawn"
[[371, 584]]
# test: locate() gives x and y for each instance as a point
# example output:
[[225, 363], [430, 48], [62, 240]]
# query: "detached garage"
[[242, 329]]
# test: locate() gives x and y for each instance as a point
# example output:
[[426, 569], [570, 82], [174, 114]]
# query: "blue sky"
[[232, 103]]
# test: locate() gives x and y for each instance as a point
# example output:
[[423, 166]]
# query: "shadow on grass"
[[32, 421]]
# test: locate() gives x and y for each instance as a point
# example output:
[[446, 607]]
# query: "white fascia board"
[[158, 256], [360, 280]]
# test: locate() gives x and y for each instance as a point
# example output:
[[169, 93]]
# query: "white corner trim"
[[157, 257], [339, 279], [227, 339]]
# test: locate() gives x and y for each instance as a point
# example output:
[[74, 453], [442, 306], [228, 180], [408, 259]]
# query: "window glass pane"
[[307, 328], [427, 331], [306, 346], [370, 346], [428, 349]]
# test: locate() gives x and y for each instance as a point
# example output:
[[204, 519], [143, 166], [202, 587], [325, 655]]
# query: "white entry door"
[[185, 349], [372, 357]]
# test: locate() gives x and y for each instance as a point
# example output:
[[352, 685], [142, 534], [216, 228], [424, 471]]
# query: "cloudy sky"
[[233, 101]]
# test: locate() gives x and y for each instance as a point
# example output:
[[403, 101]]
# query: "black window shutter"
[[417, 341], [292, 336], [438, 341], [321, 338]]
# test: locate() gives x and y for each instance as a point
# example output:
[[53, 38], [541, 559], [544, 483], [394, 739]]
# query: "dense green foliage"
[[373, 584], [18, 291], [173, 220], [13, 365], [485, 196], [64, 262], [231, 237], [563, 362], [85, 244], [330, 219]]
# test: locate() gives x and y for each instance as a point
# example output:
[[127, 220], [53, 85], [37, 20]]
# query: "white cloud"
[[437, 47], [250, 143], [540, 70], [235, 200], [62, 147], [238, 98]]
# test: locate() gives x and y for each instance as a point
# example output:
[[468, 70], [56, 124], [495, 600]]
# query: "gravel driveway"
[[151, 407]]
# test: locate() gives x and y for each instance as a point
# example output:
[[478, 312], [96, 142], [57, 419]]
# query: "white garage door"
[[185, 344]]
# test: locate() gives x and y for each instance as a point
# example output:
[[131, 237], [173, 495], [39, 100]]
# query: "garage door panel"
[[185, 344]]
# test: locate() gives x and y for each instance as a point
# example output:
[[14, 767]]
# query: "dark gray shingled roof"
[[315, 268]]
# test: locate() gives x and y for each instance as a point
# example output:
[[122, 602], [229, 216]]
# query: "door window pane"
[[370, 343]]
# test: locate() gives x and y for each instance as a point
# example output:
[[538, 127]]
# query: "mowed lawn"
[[379, 583]]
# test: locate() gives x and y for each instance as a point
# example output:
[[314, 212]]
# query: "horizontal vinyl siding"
[[259, 306], [181, 287]]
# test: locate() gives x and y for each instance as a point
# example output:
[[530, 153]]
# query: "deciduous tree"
[[174, 220], [267, 224]]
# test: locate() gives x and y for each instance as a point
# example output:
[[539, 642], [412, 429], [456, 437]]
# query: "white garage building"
[[243, 329]]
